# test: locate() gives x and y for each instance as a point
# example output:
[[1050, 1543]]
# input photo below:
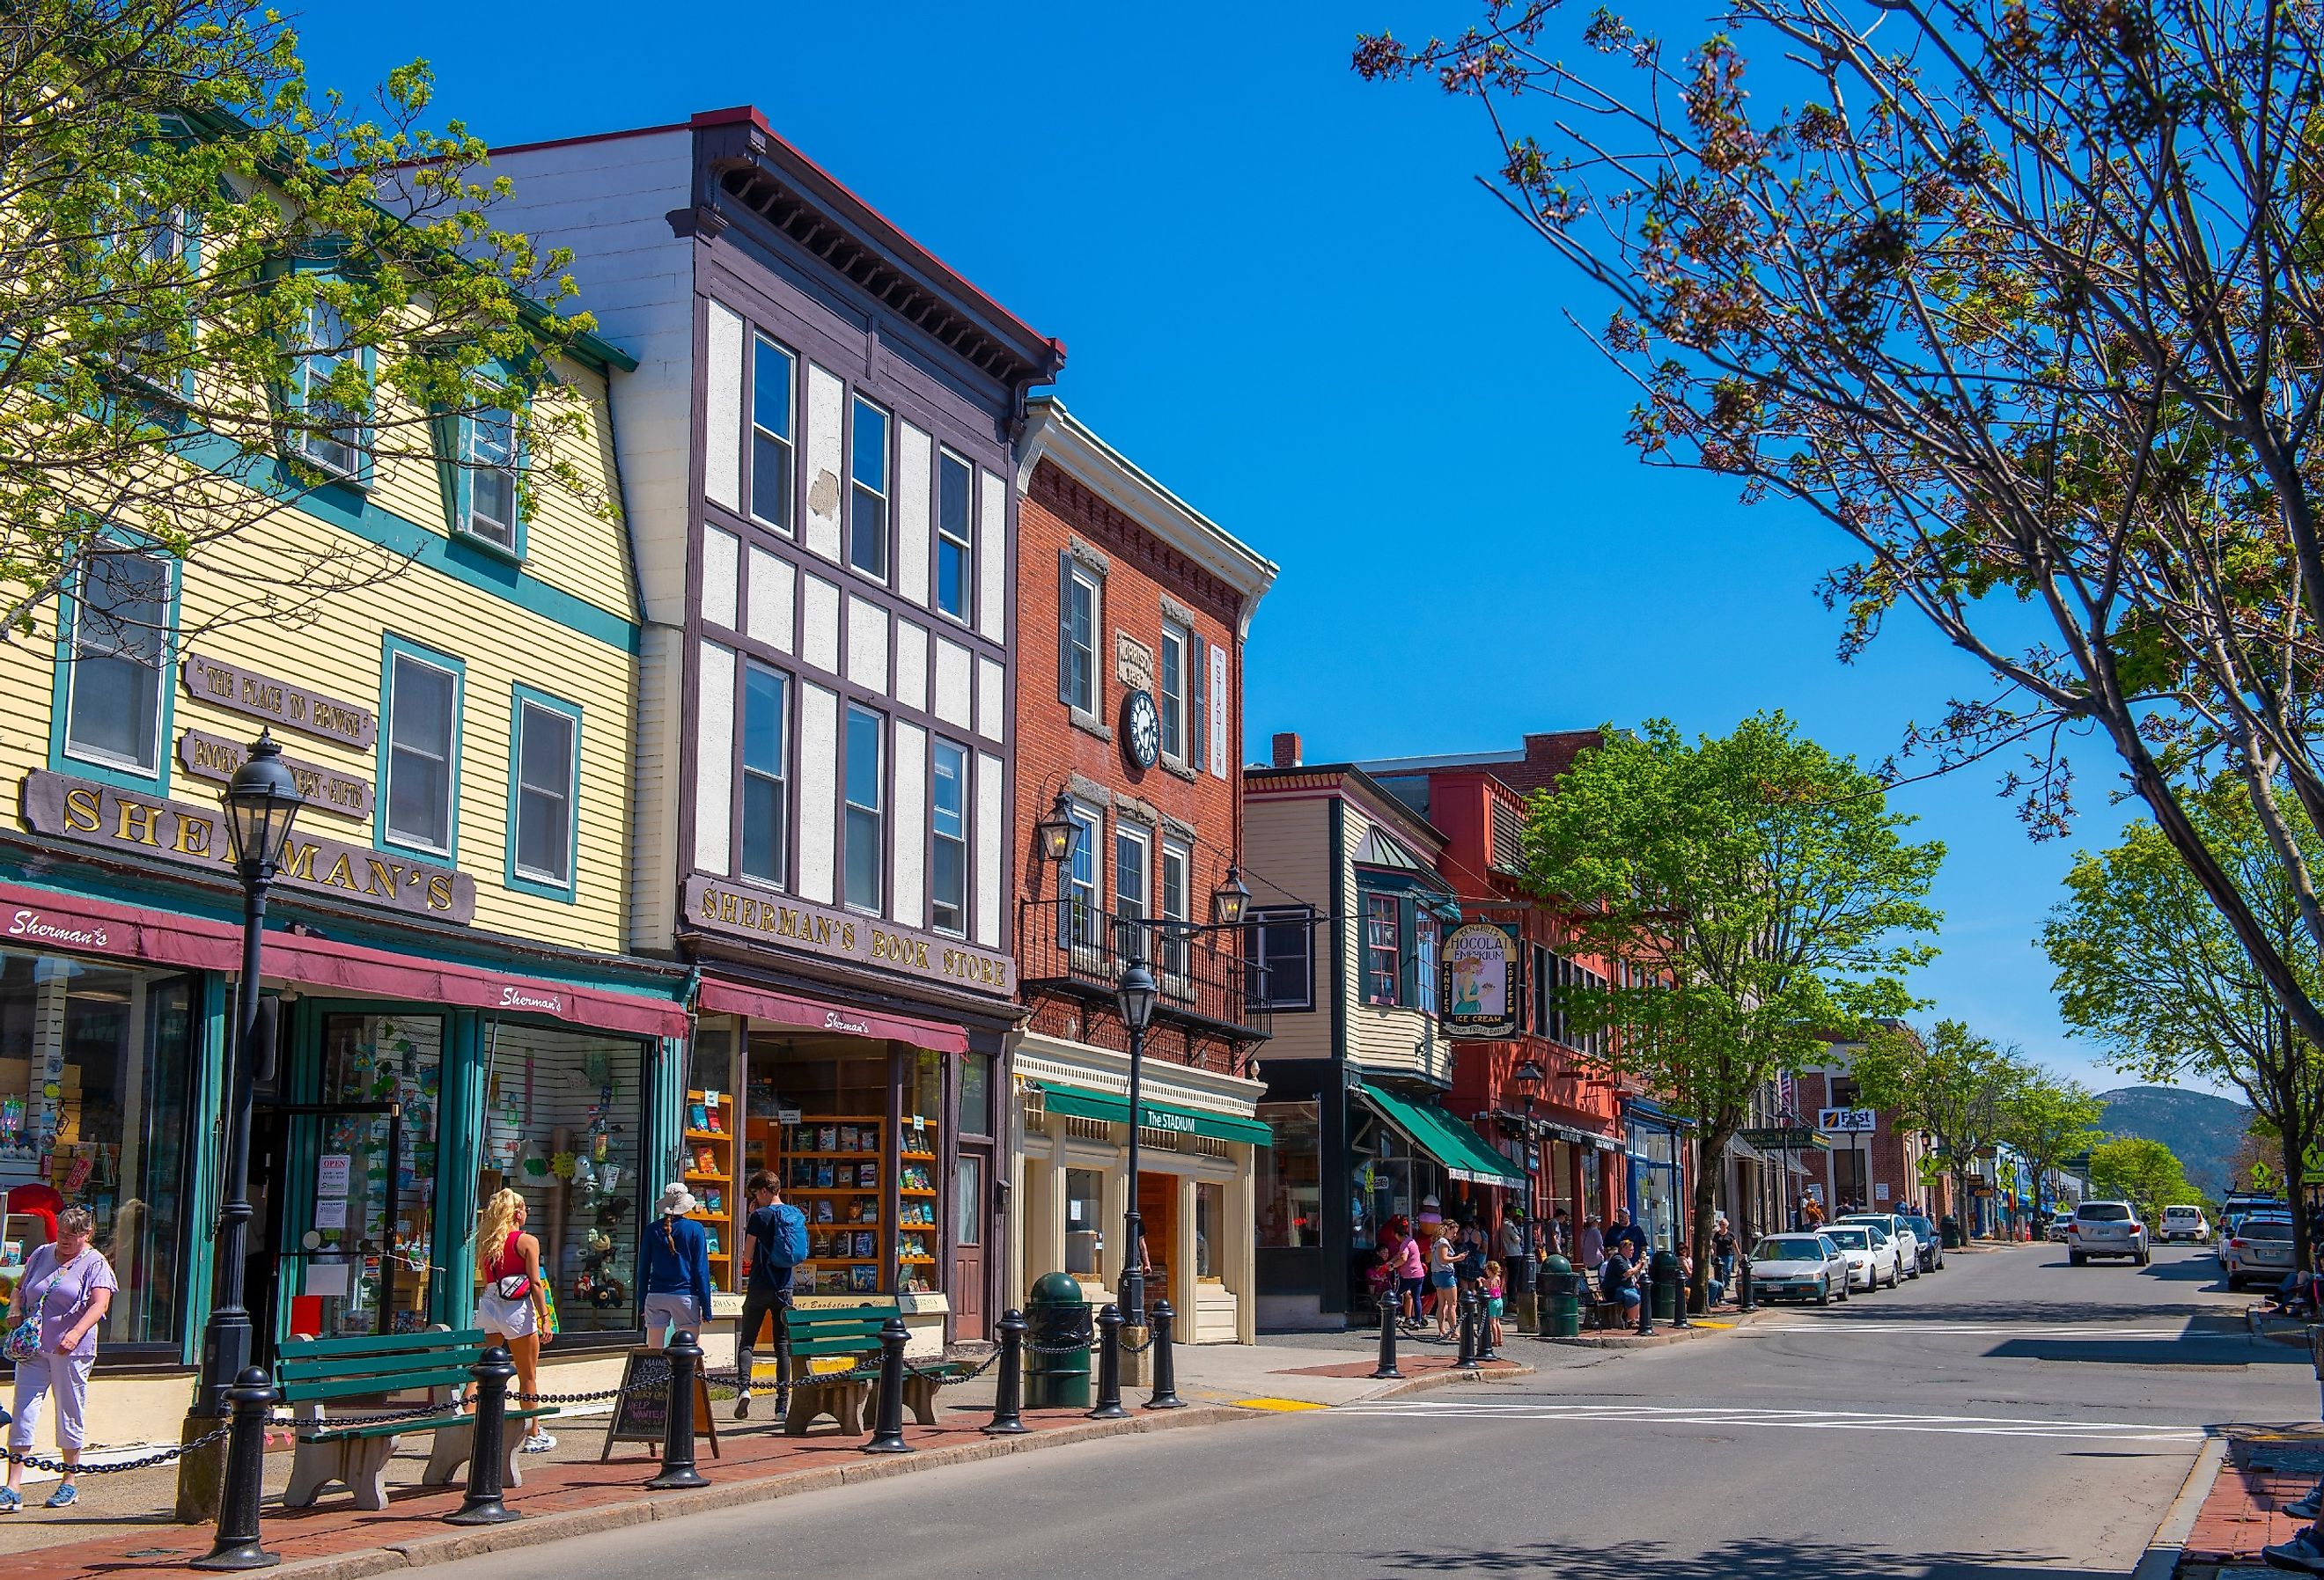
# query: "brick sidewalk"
[[2265, 1469], [560, 1497]]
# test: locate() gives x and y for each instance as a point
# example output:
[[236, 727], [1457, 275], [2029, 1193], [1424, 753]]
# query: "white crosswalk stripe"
[[1844, 1328], [1750, 1415]]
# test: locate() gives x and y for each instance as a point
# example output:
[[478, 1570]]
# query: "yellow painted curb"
[[1699, 1322], [1277, 1404]]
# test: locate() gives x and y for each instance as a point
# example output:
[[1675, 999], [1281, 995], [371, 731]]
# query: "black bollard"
[[1646, 1305], [1678, 1305], [1743, 1270], [1387, 1367], [1468, 1356], [1166, 1364], [1485, 1351], [1009, 1390], [1108, 1366], [678, 1471], [888, 1425], [250, 1399], [487, 1444]]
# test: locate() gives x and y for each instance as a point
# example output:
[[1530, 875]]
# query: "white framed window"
[[1426, 931], [865, 831], [866, 510], [548, 757], [1383, 949], [1084, 895], [1080, 600], [1133, 860], [955, 535], [423, 709], [774, 379], [330, 430], [488, 466], [766, 788], [1171, 689], [948, 830], [116, 681], [1170, 904]]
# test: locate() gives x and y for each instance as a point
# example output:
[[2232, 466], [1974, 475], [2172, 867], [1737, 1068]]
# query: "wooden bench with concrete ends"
[[317, 1372], [848, 1335]]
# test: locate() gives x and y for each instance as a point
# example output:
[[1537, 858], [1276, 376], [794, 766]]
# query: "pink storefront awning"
[[765, 1004], [38, 919]]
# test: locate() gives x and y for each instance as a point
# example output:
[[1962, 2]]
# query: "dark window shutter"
[[1065, 628]]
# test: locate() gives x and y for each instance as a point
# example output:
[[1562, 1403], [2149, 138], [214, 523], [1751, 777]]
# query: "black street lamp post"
[[1134, 998]]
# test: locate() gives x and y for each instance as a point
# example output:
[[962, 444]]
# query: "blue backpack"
[[788, 1248]]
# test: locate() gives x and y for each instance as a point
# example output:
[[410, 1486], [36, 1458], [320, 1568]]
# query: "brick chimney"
[[1286, 749]]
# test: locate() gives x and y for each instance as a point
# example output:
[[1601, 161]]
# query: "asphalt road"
[[2008, 1417]]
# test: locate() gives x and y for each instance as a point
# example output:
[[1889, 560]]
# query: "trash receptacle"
[[1949, 1230], [1059, 1319], [1663, 1273], [1561, 1296]]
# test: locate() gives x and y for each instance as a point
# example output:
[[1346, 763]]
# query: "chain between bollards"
[[1009, 1389], [252, 1400], [1388, 1314], [1165, 1396], [888, 1421], [677, 1470], [487, 1444], [1108, 1366]]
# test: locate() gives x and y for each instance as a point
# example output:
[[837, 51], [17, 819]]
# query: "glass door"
[[362, 1185]]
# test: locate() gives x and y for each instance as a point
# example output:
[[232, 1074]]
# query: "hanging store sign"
[[280, 702], [1787, 1139], [128, 820], [1480, 989], [327, 790], [715, 906]]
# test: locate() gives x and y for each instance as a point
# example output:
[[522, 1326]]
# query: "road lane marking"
[[1276, 1404], [1982, 1329], [1802, 1420]]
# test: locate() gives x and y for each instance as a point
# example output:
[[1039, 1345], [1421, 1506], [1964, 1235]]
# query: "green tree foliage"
[[183, 223], [2048, 1120], [1957, 1086], [1756, 890], [2021, 297], [2143, 1172], [2146, 966]]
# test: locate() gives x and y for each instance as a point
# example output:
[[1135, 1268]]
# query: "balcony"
[[1068, 946]]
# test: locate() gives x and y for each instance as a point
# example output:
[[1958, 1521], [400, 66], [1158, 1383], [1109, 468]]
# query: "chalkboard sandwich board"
[[641, 1413]]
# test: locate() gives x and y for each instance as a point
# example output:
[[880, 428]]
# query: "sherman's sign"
[[120, 820], [280, 702], [716, 906], [327, 790]]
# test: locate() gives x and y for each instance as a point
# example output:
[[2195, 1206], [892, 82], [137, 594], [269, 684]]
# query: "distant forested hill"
[[2201, 1129]]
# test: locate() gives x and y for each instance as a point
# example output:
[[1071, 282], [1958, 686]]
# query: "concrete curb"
[[420, 1552], [1446, 1379], [2161, 1559]]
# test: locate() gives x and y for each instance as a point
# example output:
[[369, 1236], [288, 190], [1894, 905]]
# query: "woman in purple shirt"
[[67, 1286]]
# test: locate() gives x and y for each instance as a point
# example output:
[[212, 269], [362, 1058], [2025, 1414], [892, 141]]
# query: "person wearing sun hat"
[[676, 1273]]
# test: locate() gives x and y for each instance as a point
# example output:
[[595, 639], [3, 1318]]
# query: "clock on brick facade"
[[1141, 729]]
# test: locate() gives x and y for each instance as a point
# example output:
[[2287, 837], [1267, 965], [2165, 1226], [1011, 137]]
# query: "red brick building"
[[1877, 1170], [1132, 609]]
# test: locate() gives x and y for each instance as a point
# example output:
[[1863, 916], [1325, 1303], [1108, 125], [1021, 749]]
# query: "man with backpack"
[[774, 1242]]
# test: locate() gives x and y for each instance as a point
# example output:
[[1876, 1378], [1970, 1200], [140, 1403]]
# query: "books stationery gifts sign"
[[710, 1171]]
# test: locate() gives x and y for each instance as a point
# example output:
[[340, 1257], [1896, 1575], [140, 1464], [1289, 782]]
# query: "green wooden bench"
[[317, 1373], [848, 1335]]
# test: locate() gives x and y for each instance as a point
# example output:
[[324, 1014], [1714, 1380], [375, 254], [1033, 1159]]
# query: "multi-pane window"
[[330, 428], [120, 644], [766, 805], [1170, 903], [1279, 949], [865, 833], [1423, 970], [955, 534], [154, 241], [1077, 638], [1542, 989], [773, 376], [422, 710], [488, 476], [1131, 855], [545, 761], [1172, 698], [867, 512], [1083, 903], [948, 858], [1383, 949]]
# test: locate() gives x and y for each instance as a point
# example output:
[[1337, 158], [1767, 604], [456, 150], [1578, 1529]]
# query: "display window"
[[1086, 1222], [1290, 1176], [564, 1124], [364, 1250], [1210, 1219], [96, 1062]]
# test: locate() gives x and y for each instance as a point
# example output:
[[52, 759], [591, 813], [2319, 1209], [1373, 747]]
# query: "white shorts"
[[675, 1312], [508, 1319]]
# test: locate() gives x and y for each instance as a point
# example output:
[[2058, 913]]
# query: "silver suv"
[[2106, 1228]]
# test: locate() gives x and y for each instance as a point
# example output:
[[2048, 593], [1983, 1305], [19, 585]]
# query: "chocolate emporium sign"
[[715, 906], [119, 819]]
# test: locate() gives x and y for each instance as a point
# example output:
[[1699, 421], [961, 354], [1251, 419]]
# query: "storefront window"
[[1084, 1216], [1290, 1176], [565, 1115], [95, 1063], [871, 1199], [976, 1094], [1209, 1213], [367, 1243], [968, 1200]]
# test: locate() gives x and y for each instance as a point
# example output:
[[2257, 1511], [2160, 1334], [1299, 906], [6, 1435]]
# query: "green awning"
[[1463, 1153], [1113, 1110]]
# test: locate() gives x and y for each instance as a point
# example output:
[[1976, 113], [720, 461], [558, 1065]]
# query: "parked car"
[[1929, 1247], [1871, 1255], [2187, 1223], [2260, 1249], [1908, 1244], [1798, 1267], [2106, 1228]]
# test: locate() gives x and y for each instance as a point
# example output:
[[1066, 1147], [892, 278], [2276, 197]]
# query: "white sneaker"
[[538, 1442]]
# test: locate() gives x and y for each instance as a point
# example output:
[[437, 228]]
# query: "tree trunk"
[[1710, 1152], [1964, 1204], [2293, 1125]]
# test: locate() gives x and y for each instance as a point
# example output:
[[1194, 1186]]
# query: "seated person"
[[1615, 1283]]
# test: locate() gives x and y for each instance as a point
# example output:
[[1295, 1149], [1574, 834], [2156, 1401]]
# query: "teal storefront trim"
[[1109, 1109]]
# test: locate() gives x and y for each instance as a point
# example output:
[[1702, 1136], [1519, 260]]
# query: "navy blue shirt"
[[677, 1260]]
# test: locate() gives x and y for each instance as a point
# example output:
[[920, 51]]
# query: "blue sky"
[[1286, 296]]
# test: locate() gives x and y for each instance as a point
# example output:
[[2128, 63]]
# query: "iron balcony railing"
[[1071, 946]]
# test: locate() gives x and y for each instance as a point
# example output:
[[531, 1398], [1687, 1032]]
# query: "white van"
[[2186, 1223]]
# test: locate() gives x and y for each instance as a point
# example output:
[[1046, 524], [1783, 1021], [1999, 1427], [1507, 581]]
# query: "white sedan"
[[1871, 1255], [1799, 1267], [1908, 1247]]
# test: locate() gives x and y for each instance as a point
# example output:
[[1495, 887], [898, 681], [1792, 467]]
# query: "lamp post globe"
[[1057, 832], [261, 804], [1231, 898]]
